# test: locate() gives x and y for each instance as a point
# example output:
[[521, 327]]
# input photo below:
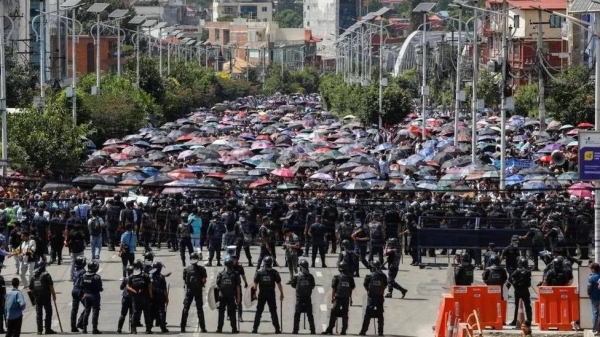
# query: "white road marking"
[[114, 256], [319, 274], [321, 290], [324, 326], [323, 307]]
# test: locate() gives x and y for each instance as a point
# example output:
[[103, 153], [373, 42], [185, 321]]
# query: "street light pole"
[[73, 60], [3, 91], [380, 71], [98, 53], [458, 77], [503, 98], [137, 56], [424, 88], [474, 89], [42, 59]]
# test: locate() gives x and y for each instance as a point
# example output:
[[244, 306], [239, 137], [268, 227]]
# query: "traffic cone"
[[455, 329], [521, 313], [449, 325]]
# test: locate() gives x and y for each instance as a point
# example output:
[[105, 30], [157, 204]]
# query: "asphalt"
[[412, 316]]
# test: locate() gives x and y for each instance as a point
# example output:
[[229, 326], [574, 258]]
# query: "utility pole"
[[3, 91], [503, 97], [458, 78], [474, 89], [541, 99]]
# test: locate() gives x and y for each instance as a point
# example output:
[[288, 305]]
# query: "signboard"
[[589, 155]]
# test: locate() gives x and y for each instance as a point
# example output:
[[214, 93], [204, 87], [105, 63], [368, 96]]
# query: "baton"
[[336, 325], [57, 315], [281, 315], [374, 325], [167, 306], [304, 321]]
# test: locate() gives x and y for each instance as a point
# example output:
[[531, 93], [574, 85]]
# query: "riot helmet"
[[194, 258], [495, 260], [93, 267]]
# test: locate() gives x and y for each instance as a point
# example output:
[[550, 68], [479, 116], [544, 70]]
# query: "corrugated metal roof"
[[584, 6]]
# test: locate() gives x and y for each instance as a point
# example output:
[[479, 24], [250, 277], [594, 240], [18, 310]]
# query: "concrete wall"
[[322, 18]]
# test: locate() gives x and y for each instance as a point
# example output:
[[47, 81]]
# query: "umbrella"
[[321, 176], [135, 176], [151, 171], [241, 153], [259, 183], [172, 148], [89, 179], [181, 174], [129, 182], [157, 180], [357, 185], [134, 151], [366, 176], [139, 162], [56, 187], [581, 190], [362, 160], [173, 190], [156, 156], [565, 177], [95, 161], [285, 173], [364, 169], [112, 141], [258, 172], [103, 188], [287, 187]]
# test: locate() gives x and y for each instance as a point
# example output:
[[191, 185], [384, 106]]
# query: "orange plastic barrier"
[[443, 321], [557, 307], [463, 330], [486, 300]]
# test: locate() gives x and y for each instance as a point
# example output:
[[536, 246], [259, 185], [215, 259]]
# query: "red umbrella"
[[585, 125], [181, 174], [545, 159], [110, 149], [185, 138], [120, 156], [284, 172], [259, 183], [218, 175], [581, 190]]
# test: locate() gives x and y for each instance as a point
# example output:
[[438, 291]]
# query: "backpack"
[[4, 219], [40, 285], [76, 244], [230, 221], [376, 232], [112, 213], [538, 237], [95, 229], [227, 284]]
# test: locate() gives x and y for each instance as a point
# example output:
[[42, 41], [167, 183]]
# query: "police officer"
[[160, 298], [345, 229], [43, 287], [161, 220], [330, 217], [126, 302], [173, 221], [194, 277], [559, 275], [230, 293], [239, 269], [318, 236], [113, 212], [77, 291], [265, 279], [215, 233], [139, 286], [464, 273], [375, 284], [537, 241], [184, 235], [148, 262], [376, 237], [361, 242], [57, 229], [342, 286], [243, 237], [304, 283], [92, 287], [392, 253], [511, 254], [348, 256], [266, 235], [2, 301], [495, 275], [521, 280]]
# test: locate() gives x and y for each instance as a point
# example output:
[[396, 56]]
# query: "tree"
[[20, 82], [570, 96], [289, 18], [45, 141], [526, 100], [488, 88], [150, 79]]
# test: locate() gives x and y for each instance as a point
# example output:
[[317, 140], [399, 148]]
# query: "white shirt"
[[25, 246]]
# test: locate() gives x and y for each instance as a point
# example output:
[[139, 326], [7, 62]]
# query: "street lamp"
[[3, 89], [160, 27], [117, 15], [424, 8], [72, 5], [137, 20], [97, 9], [148, 24]]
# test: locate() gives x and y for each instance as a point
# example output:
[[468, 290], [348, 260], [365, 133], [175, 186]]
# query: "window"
[[254, 53], [217, 36], [225, 36], [516, 21], [229, 10], [555, 21], [307, 23], [264, 9]]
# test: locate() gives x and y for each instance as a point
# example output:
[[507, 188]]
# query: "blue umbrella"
[[366, 176], [142, 143], [151, 171], [426, 152], [384, 147], [195, 169], [515, 179], [135, 176], [534, 185]]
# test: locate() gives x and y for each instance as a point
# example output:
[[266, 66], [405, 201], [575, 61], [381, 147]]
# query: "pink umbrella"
[[283, 172], [134, 151], [261, 144], [120, 156], [581, 190], [241, 153]]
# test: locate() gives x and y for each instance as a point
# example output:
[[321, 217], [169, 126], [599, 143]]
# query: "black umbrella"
[[88, 180], [362, 160], [159, 180], [140, 162], [56, 187]]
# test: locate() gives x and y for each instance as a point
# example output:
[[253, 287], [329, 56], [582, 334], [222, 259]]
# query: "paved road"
[[411, 316]]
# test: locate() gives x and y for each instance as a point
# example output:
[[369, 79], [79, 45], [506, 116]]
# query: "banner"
[[516, 163]]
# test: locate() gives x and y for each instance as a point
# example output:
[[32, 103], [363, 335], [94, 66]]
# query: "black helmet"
[[392, 242], [93, 267], [194, 258], [184, 215], [157, 267], [495, 260], [465, 259], [376, 264], [80, 262], [343, 267], [522, 262], [40, 267], [303, 264], [268, 262], [228, 263], [149, 258], [558, 263], [546, 256], [117, 197], [129, 270], [138, 264], [346, 244], [347, 216]]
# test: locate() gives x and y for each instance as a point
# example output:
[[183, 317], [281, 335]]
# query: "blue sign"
[[516, 163], [589, 155]]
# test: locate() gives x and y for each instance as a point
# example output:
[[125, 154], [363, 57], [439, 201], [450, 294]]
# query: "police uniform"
[[126, 303], [243, 239], [215, 232], [113, 212], [92, 287], [194, 277], [304, 283], [76, 295], [348, 256], [173, 223], [184, 234], [57, 229], [558, 277], [521, 280], [141, 299], [361, 247], [228, 283], [266, 280], [511, 254], [345, 230], [376, 239], [161, 223], [159, 287], [265, 234], [464, 275], [342, 286], [41, 284], [393, 261], [375, 284], [495, 276]]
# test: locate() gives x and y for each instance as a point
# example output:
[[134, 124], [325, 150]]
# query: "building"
[[523, 26], [327, 19], [85, 51], [248, 9]]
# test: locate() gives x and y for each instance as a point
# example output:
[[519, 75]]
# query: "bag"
[[39, 284], [95, 228], [77, 244], [376, 232], [344, 288], [226, 286]]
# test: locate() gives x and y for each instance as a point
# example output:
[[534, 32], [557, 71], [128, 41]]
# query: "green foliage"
[[526, 100], [488, 89], [19, 91], [150, 79], [363, 102], [292, 81], [570, 96], [45, 141], [225, 18], [289, 18]]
